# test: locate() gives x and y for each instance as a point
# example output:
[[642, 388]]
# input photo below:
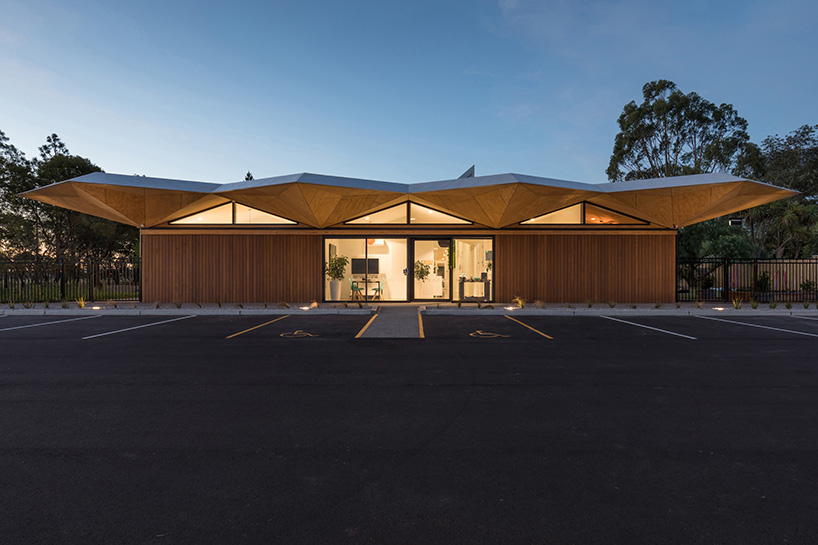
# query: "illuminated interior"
[[598, 215], [422, 214], [246, 214], [232, 213], [394, 214], [220, 215], [584, 213], [408, 213], [572, 214]]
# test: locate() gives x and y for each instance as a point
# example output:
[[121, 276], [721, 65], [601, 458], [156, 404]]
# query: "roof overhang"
[[495, 201]]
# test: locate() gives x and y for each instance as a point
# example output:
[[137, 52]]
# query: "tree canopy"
[[31, 229], [672, 134]]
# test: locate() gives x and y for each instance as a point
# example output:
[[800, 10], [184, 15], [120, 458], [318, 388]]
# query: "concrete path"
[[394, 322]]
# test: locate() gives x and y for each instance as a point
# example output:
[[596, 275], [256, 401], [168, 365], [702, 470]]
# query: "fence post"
[[726, 280], [754, 292], [90, 281], [62, 279]]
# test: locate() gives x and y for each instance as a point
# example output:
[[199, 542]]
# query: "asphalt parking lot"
[[537, 429]]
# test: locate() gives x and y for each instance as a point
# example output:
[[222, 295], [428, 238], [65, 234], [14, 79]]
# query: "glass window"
[[422, 214], [220, 215], [598, 215], [375, 269], [246, 214], [572, 214], [472, 269], [430, 270], [394, 214]]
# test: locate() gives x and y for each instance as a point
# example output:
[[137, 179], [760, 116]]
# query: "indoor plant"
[[335, 269]]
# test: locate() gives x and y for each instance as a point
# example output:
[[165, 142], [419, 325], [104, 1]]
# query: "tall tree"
[[31, 229], [248, 176], [671, 134]]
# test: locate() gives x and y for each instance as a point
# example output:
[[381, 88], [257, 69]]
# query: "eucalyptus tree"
[[671, 134]]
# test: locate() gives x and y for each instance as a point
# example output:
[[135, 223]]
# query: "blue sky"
[[397, 91]]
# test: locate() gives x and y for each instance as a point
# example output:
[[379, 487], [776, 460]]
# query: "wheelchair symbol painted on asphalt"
[[480, 334], [297, 334]]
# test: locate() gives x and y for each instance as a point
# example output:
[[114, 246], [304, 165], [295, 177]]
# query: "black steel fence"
[[762, 280], [58, 280]]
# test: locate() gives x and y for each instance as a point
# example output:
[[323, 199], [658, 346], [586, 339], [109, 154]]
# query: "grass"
[[612, 304], [657, 305], [633, 306], [112, 303], [698, 304], [753, 304], [28, 304], [282, 304], [81, 302], [519, 301], [589, 303], [773, 303], [806, 304], [788, 305], [538, 303], [737, 303], [177, 304]]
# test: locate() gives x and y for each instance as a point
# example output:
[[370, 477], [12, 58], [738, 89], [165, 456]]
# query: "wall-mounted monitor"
[[360, 266]]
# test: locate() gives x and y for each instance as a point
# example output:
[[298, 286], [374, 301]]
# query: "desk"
[[486, 285]]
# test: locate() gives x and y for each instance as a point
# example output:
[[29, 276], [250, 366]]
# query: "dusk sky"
[[397, 91]]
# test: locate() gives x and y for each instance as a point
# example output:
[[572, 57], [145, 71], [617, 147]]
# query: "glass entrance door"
[[431, 275]]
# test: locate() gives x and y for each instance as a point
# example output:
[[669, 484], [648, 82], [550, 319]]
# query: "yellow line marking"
[[531, 328], [420, 326], [361, 332], [256, 327]]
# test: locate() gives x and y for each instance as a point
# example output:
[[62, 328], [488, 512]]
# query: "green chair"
[[356, 290], [377, 293]]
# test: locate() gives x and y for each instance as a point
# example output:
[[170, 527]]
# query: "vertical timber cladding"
[[231, 267], [574, 268]]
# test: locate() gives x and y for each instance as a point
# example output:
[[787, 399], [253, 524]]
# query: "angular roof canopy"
[[496, 201]]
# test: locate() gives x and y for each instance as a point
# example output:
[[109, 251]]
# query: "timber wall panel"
[[246, 268], [575, 268]]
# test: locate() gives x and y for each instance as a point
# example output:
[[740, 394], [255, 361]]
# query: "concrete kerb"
[[145, 309], [670, 309]]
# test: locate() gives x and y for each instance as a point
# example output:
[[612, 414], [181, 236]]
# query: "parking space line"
[[420, 326], [529, 327], [49, 323], [805, 317], [137, 327], [759, 326], [361, 332], [256, 327], [649, 327]]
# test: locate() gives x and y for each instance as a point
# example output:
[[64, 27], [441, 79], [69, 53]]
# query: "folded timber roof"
[[496, 201]]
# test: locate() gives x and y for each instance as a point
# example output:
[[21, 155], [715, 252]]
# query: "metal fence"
[[58, 280], [762, 280]]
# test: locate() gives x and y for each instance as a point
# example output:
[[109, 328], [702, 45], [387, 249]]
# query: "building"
[[486, 238]]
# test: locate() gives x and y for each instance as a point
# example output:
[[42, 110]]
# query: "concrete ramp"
[[394, 322]]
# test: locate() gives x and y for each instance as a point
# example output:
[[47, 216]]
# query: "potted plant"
[[422, 271], [335, 270]]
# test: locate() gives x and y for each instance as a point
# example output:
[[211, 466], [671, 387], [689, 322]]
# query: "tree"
[[673, 134], [792, 161], [248, 176], [31, 229]]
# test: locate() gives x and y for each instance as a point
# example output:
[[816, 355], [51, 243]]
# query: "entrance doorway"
[[452, 269], [410, 269]]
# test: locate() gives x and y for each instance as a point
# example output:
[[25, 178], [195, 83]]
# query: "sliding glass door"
[[431, 275], [371, 269]]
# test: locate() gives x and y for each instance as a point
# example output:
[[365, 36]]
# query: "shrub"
[[808, 285], [519, 301]]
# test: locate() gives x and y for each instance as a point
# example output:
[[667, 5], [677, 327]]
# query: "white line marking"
[[138, 327], [760, 326], [805, 317], [49, 323], [649, 327]]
